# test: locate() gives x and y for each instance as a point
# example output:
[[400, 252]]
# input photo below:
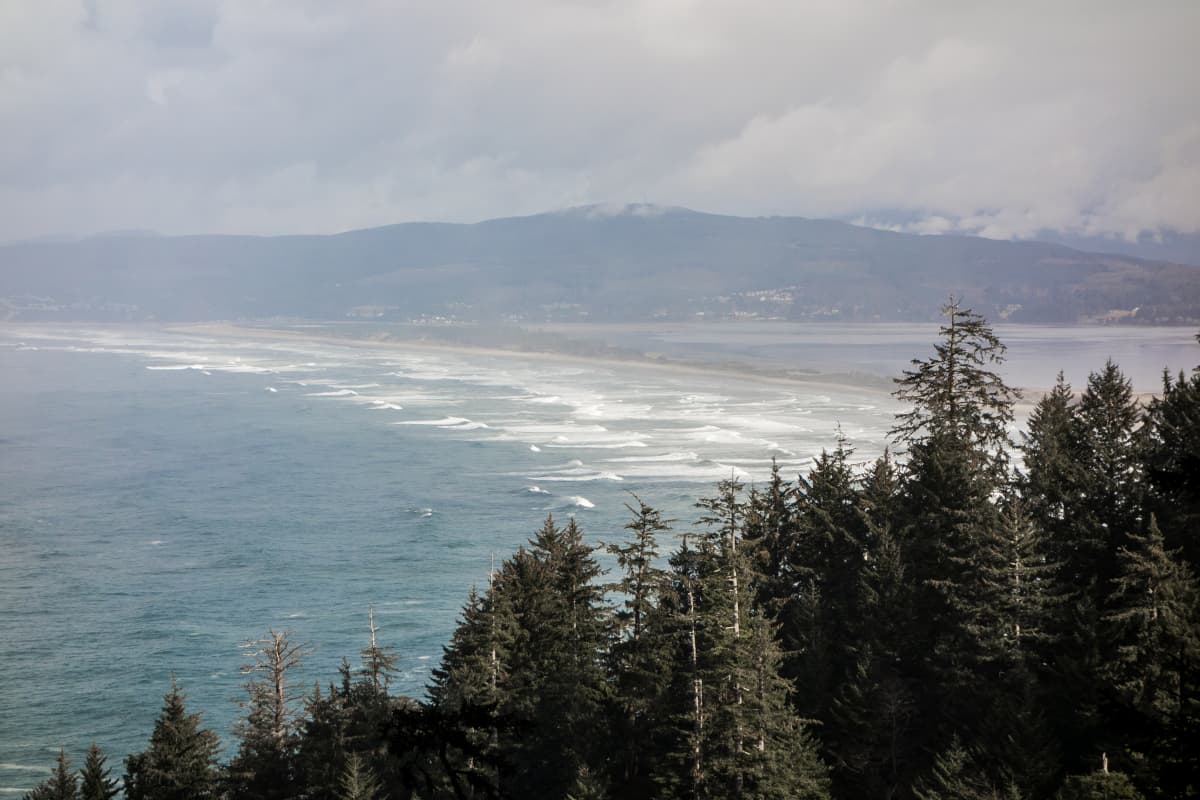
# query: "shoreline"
[[327, 332], [735, 370]]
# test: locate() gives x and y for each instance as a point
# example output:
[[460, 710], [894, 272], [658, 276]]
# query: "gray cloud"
[[277, 116]]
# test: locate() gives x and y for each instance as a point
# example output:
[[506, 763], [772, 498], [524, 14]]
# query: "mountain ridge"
[[595, 262]]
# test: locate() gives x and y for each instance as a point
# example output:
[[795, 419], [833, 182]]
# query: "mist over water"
[[165, 496]]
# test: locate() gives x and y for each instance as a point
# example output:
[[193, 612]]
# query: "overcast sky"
[[286, 116]]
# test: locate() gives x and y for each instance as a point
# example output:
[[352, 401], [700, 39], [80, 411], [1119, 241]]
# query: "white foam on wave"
[[601, 446], [552, 428], [535, 489], [384, 405], [716, 435], [444, 422], [763, 424], [578, 474], [581, 502], [334, 393], [24, 768], [534, 448], [272, 389], [681, 456]]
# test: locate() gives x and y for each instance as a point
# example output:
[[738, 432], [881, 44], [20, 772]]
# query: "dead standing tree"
[[271, 696]]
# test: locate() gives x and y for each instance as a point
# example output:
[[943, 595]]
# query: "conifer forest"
[[978, 614]]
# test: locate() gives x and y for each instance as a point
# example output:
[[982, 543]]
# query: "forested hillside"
[[937, 624], [593, 263]]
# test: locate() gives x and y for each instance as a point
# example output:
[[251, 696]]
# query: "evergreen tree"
[[532, 651], [358, 782], [1111, 459], [557, 685], [1154, 617], [61, 785], [737, 734], [637, 653], [770, 540], [1051, 482], [955, 395], [94, 780], [637, 559], [1103, 785], [1173, 462], [468, 688], [951, 529], [181, 761], [354, 718], [1031, 584], [870, 735], [956, 776], [820, 619]]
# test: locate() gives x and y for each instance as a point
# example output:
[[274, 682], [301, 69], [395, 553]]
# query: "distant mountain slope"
[[596, 262]]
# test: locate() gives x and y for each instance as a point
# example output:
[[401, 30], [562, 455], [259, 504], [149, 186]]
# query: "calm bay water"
[[165, 496]]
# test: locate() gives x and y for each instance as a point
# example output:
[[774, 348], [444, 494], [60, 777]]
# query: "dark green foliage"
[[735, 733], [181, 761], [956, 775], [637, 653], [61, 785], [352, 719], [94, 780], [1154, 618], [528, 662], [957, 397], [1099, 786], [1172, 461], [1110, 458]]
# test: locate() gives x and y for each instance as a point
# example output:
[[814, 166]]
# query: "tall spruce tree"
[[354, 718], [737, 734], [1173, 462], [468, 690], [1111, 455], [637, 652], [559, 686], [819, 620], [94, 780], [950, 526], [535, 646], [181, 761], [1154, 619], [871, 737], [61, 785], [956, 396]]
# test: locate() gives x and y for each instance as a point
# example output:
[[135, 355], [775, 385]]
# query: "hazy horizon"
[[285, 118]]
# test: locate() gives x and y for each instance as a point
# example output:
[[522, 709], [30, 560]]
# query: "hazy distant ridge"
[[593, 262]]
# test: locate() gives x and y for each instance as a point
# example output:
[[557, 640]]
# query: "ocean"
[[168, 494]]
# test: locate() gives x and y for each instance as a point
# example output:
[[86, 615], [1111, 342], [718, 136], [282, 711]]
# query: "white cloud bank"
[[282, 116]]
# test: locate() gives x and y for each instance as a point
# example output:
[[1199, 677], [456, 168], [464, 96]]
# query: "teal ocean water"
[[166, 496]]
